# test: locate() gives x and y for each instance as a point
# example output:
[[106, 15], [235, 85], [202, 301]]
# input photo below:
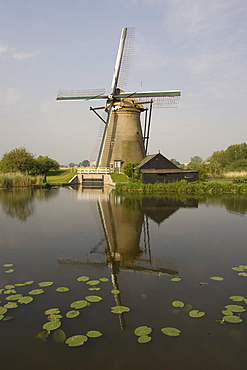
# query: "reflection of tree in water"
[[233, 204], [20, 202]]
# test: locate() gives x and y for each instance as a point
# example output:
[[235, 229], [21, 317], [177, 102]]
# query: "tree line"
[[21, 160]]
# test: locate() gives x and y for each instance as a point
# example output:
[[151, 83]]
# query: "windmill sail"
[[122, 139]]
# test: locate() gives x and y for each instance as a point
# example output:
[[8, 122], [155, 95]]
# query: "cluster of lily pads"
[[231, 312]]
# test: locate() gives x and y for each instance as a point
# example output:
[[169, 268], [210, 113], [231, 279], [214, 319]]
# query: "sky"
[[196, 46]]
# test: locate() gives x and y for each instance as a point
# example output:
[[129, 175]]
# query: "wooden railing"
[[93, 170]]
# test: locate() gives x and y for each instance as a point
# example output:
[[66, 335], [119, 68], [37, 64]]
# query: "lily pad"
[[54, 317], [11, 305], [52, 311], [76, 340], [45, 284], [59, 336], [171, 332], [29, 282], [243, 267], [20, 284], [8, 318], [25, 299], [235, 308], [9, 286], [62, 289], [36, 291], [43, 335], [9, 271], [237, 269], [93, 298], [52, 325], [13, 297], [93, 289], [142, 330], [115, 291], [144, 339], [196, 313], [93, 282], [72, 314], [1, 317], [232, 319], [3, 310], [10, 291], [217, 278], [227, 313], [83, 278], [93, 334], [240, 274], [79, 304], [104, 280], [237, 298], [8, 265], [120, 309], [176, 279], [179, 304]]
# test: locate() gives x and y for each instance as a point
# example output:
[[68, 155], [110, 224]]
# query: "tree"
[[174, 161], [84, 163], [72, 164], [196, 159], [128, 170], [18, 160], [44, 164]]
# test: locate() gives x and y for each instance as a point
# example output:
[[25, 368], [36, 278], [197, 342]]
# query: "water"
[[139, 244]]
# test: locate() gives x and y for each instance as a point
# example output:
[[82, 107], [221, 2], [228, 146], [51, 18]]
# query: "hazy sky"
[[196, 46]]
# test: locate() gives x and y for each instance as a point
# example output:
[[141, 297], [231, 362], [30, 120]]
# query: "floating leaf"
[[9, 287], [93, 334], [232, 319], [83, 278], [142, 330], [45, 283], [79, 304], [93, 298], [10, 291], [93, 289], [54, 317], [7, 318], [235, 308], [171, 332], [8, 265], [196, 313], [227, 313], [217, 278], [119, 309], [237, 298], [72, 314], [203, 284], [144, 339], [3, 310], [115, 291], [30, 282], [52, 325], [25, 299], [1, 317], [179, 304], [36, 291], [52, 311], [76, 340], [240, 274], [243, 267], [9, 271], [176, 279], [20, 284], [93, 282], [13, 297], [237, 269], [62, 289], [104, 280], [11, 305], [43, 335], [59, 336]]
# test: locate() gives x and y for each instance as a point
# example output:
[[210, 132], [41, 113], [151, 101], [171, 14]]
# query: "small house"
[[157, 168]]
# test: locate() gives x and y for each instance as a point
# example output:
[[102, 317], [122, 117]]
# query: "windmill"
[[123, 139]]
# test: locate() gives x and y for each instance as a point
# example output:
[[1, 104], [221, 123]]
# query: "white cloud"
[[149, 59], [12, 96], [22, 55], [3, 48]]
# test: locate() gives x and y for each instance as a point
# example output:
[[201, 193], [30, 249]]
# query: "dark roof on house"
[[151, 170]]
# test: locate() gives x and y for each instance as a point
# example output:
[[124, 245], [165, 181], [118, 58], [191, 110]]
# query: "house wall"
[[152, 178]]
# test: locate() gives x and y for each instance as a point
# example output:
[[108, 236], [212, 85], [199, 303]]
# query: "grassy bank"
[[209, 187], [17, 180], [60, 176]]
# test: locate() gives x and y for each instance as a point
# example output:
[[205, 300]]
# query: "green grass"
[[209, 187], [60, 176], [17, 180], [119, 177]]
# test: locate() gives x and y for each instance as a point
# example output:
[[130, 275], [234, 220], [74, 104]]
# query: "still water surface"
[[139, 244]]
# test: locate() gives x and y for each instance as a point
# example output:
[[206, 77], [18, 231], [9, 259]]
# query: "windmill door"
[[117, 165]]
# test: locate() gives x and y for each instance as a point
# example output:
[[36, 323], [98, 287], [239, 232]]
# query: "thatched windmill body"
[[123, 138]]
